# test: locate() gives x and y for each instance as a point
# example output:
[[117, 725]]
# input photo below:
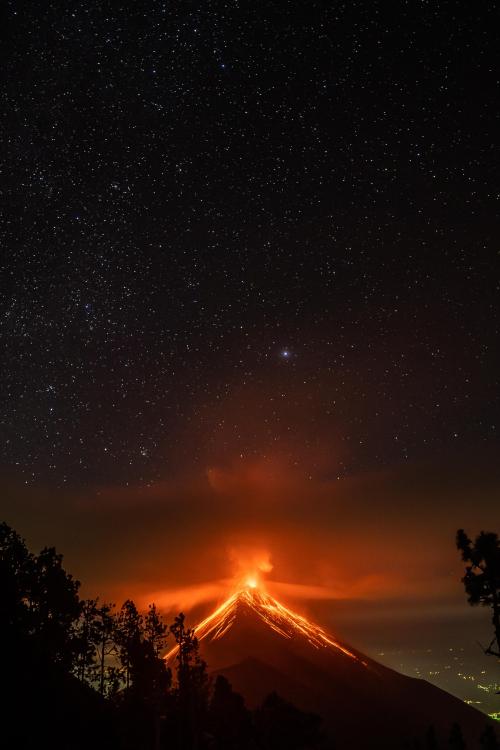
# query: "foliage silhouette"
[[192, 686], [107, 649], [86, 641], [45, 704], [39, 599], [430, 739], [482, 577], [456, 740], [489, 740], [281, 726], [228, 718], [127, 636]]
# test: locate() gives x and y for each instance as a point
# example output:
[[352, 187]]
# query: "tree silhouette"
[[456, 740], [39, 599], [489, 740], [16, 572], [229, 721], [191, 692], [149, 691], [145, 697], [86, 638], [105, 632], [155, 630], [128, 634], [430, 739], [54, 607], [157, 677], [281, 726], [482, 577], [41, 625]]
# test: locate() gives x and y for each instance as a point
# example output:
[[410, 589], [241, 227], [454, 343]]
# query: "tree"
[[456, 740], [482, 577], [16, 571], [191, 693], [144, 700], [229, 721], [150, 676], [54, 607], [86, 637], [105, 630], [159, 676], [128, 635], [281, 726], [41, 621], [430, 739], [155, 630], [39, 599], [488, 739]]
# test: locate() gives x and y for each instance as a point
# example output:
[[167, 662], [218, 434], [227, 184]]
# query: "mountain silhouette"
[[260, 646]]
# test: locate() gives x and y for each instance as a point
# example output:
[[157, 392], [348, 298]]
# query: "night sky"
[[193, 190], [250, 261]]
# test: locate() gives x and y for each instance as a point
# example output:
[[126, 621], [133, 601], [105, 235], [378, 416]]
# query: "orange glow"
[[279, 618], [235, 523]]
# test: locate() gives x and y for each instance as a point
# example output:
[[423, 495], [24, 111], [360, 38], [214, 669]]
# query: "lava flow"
[[251, 597]]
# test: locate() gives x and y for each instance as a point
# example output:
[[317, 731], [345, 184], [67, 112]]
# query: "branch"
[[489, 650]]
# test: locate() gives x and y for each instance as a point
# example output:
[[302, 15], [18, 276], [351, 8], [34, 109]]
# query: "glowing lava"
[[250, 596]]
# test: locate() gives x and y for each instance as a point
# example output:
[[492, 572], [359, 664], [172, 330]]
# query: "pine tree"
[[86, 638], [456, 740], [144, 700], [489, 740], [430, 739], [105, 629], [280, 725], [192, 686], [155, 630], [128, 635], [229, 721], [16, 574], [39, 599]]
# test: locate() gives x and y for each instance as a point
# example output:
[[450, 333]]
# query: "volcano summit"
[[261, 646]]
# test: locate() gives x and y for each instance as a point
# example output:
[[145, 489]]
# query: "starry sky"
[[249, 288], [236, 228]]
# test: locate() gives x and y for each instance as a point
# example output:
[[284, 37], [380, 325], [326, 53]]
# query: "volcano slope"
[[260, 646]]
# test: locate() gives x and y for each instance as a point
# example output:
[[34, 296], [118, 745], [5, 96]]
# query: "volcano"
[[261, 646]]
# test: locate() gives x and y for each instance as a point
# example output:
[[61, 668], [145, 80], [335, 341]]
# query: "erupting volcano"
[[251, 598], [262, 646]]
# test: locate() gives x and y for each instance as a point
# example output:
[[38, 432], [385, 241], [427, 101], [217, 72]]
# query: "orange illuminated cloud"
[[183, 542], [186, 597]]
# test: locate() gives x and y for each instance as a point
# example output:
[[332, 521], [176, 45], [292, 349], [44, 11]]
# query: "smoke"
[[247, 560], [184, 542], [186, 598]]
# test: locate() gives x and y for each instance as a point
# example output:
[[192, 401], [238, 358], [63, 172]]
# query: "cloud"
[[381, 536]]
